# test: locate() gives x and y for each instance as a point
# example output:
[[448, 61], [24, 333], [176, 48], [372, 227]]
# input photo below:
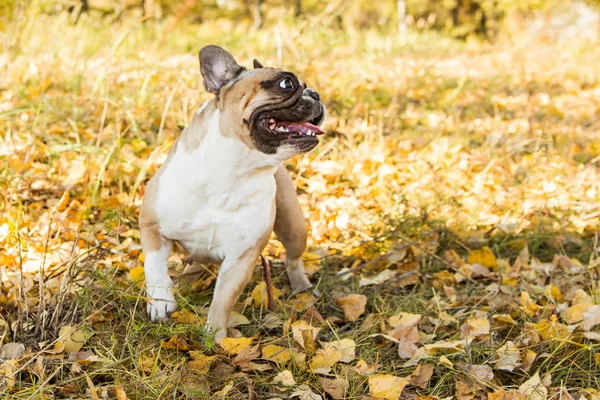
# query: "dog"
[[223, 189]]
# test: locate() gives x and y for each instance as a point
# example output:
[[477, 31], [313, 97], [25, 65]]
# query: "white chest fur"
[[217, 200]]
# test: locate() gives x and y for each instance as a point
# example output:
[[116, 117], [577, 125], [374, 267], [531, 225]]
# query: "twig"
[[267, 268]]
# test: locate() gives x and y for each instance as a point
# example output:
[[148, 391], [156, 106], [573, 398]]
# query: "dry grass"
[[439, 144]]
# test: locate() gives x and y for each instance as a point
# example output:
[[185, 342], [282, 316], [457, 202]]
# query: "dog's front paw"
[[161, 304]]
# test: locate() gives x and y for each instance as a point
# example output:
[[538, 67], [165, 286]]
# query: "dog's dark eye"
[[287, 83]]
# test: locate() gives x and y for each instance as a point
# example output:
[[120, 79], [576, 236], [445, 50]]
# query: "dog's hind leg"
[[290, 229], [157, 248]]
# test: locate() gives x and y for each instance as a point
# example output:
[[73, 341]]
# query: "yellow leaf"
[[259, 294], [404, 320], [185, 316], [484, 256], [200, 363], [235, 345], [136, 275], [449, 347], [8, 370], [120, 393], [474, 327], [364, 369], [552, 329], [552, 292], [281, 355], [324, 359], [63, 202], [534, 389], [507, 395], [527, 358], [305, 334], [527, 305], [574, 314], [508, 356], [176, 343], [347, 347], [506, 318], [70, 339], [386, 386], [353, 306]]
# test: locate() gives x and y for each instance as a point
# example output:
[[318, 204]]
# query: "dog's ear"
[[257, 64], [218, 68]]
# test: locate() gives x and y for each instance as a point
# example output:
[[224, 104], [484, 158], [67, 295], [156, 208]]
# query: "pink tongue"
[[297, 125]]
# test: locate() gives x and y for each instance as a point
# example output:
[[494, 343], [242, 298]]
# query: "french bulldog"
[[223, 189]]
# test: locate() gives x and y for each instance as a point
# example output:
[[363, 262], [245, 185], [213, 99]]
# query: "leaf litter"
[[504, 296]]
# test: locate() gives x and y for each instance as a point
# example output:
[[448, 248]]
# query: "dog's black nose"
[[311, 93]]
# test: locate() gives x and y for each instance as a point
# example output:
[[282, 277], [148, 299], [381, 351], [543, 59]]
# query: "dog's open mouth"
[[290, 129]]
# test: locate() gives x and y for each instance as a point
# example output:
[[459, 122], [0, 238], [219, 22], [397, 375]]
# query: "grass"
[[449, 145]]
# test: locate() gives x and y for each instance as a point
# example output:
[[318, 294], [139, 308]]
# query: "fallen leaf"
[[362, 368], [336, 387], [235, 345], [347, 348], [386, 386], [176, 343], [70, 339], [574, 314], [244, 357], [474, 327], [534, 389], [527, 358], [120, 393], [259, 294], [404, 320], [591, 317], [421, 375], [284, 378], [527, 305], [483, 256], [378, 279], [136, 275], [223, 393], [448, 347], [305, 335], [324, 359], [237, 319], [406, 349], [12, 350], [302, 301], [8, 370], [353, 306], [480, 372], [508, 356], [507, 395], [552, 329], [200, 363], [185, 316], [281, 355], [304, 392]]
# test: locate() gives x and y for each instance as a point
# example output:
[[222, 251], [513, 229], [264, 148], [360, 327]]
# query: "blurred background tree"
[[458, 18]]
